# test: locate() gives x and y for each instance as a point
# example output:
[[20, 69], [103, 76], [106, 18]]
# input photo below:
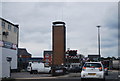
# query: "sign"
[[47, 55], [9, 59], [9, 45], [46, 64]]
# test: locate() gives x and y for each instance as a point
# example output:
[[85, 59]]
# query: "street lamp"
[[99, 40]]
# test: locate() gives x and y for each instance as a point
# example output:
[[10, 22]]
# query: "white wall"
[[0, 31], [0, 49], [0, 62], [5, 65]]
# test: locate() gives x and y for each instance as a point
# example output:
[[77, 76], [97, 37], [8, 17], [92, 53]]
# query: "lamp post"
[[99, 40]]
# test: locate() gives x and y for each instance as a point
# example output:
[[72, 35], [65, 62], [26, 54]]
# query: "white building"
[[8, 47]]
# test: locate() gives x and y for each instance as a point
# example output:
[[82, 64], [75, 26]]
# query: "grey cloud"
[[112, 23], [112, 18], [37, 37], [36, 19], [109, 52], [109, 44]]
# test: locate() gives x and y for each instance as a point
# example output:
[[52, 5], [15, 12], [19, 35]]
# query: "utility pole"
[[99, 41]]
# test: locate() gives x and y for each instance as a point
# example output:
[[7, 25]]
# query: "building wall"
[[23, 59], [8, 53], [12, 32], [0, 50], [48, 58], [0, 62], [0, 31], [58, 45], [8, 47]]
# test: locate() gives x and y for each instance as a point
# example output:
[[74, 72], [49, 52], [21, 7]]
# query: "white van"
[[36, 67]]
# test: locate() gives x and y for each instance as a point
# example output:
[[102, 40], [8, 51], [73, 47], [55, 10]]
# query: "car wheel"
[[106, 73], [31, 72], [103, 79], [35, 72], [82, 79], [50, 72]]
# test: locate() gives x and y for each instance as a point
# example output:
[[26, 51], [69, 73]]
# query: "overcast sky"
[[81, 18]]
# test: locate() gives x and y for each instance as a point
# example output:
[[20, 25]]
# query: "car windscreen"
[[97, 65]]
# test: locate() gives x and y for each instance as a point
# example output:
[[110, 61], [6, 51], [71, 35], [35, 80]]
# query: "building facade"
[[23, 58], [48, 58], [8, 47], [93, 57], [36, 59], [74, 59], [71, 58]]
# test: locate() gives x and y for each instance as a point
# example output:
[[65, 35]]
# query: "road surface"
[[26, 76]]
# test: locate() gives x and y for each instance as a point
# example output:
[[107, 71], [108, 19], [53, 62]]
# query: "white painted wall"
[[0, 50], [0, 62], [0, 30], [5, 65]]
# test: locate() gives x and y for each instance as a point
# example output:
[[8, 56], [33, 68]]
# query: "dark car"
[[75, 69], [106, 70]]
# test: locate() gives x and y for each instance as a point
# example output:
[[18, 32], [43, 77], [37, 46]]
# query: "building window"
[[9, 27], [46, 56], [15, 29], [3, 24], [47, 60]]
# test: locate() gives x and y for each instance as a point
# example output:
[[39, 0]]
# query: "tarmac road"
[[67, 79], [25, 76]]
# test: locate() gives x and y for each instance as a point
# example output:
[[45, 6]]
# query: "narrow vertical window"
[[15, 29], [9, 27], [3, 24]]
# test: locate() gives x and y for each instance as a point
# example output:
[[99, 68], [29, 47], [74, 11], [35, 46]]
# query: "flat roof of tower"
[[58, 22]]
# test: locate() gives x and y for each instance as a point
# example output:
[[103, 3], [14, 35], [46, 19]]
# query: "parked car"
[[58, 70], [92, 70], [36, 67], [75, 69]]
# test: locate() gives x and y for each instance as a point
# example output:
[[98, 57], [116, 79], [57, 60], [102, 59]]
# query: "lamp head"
[[98, 26]]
